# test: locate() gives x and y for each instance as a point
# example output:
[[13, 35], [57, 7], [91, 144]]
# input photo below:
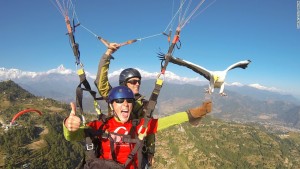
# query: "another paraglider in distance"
[[22, 112]]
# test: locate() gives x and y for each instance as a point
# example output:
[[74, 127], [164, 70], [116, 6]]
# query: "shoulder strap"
[[136, 150], [87, 87], [133, 138], [150, 106], [139, 104]]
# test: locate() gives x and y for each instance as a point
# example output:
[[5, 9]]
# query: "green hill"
[[39, 142], [219, 144], [36, 141]]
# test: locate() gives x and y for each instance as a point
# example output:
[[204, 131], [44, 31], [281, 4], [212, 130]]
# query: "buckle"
[[105, 135], [135, 122], [89, 146], [144, 149]]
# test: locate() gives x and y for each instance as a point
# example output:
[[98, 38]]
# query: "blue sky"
[[33, 37]]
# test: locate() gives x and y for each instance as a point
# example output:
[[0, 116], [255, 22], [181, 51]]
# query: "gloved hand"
[[198, 112]]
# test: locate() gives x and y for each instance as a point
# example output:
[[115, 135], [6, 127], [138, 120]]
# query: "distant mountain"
[[19, 75], [262, 94], [292, 116], [243, 103]]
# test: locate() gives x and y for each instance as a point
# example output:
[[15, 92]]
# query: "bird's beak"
[[215, 78]]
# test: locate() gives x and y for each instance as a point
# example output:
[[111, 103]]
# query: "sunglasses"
[[134, 82], [122, 100]]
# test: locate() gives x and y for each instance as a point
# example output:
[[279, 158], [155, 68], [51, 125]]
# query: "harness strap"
[[93, 145], [170, 50], [135, 150], [87, 87], [112, 148], [134, 122], [138, 110], [149, 108], [132, 138], [75, 46]]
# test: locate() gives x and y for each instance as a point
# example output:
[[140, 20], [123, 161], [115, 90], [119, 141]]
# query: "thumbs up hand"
[[73, 122]]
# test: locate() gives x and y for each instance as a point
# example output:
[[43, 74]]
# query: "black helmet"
[[127, 74], [120, 92]]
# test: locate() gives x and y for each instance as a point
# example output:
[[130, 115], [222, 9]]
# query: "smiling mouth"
[[125, 113]]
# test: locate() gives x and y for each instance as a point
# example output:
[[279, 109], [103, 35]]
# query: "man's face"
[[134, 84], [123, 108]]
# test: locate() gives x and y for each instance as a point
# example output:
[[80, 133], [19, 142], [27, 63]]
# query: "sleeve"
[[171, 120], [152, 126], [101, 81], [73, 136]]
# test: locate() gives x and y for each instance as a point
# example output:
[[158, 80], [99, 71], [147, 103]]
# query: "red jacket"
[[122, 149]]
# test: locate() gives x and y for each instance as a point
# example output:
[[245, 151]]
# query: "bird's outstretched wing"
[[241, 64], [196, 68]]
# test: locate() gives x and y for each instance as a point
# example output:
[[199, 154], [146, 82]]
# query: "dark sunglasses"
[[122, 100], [133, 82]]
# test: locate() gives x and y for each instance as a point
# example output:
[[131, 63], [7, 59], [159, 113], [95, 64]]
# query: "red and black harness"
[[94, 149]]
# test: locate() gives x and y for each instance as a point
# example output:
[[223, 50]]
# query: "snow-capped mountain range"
[[244, 102], [18, 75], [12, 74]]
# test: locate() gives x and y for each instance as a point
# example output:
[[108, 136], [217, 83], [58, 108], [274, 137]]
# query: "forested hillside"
[[37, 141], [218, 144]]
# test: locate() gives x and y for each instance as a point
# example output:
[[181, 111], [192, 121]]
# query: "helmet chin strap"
[[114, 113]]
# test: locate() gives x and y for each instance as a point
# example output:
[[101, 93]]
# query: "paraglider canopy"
[[23, 112]]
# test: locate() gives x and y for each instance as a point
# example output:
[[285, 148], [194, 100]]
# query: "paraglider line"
[[139, 39]]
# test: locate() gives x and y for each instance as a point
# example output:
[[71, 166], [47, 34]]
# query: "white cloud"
[[235, 84], [260, 87], [6, 74], [15, 73], [169, 76]]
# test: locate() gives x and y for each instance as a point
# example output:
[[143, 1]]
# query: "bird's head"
[[216, 77]]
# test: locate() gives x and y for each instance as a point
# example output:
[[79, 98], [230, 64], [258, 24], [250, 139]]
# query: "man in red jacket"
[[120, 137]]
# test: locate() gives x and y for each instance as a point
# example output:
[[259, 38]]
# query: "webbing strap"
[[135, 150], [170, 50], [158, 85], [87, 87], [91, 134], [75, 46], [90, 148], [149, 108], [134, 123], [112, 148]]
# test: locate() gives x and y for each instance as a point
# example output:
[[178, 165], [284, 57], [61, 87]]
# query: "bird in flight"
[[216, 78]]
